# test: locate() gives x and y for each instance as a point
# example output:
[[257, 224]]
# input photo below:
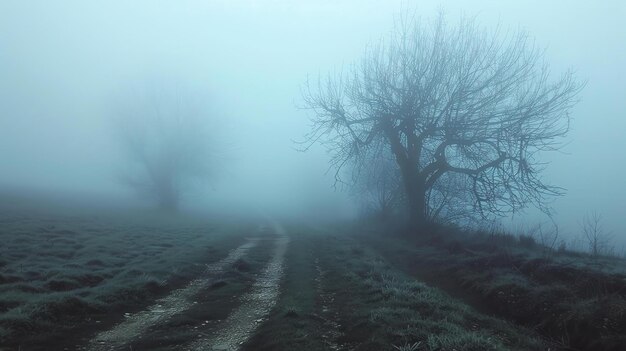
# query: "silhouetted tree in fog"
[[167, 137], [464, 111], [593, 233]]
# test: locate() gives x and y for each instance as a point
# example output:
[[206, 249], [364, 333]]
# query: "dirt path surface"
[[255, 305], [177, 302]]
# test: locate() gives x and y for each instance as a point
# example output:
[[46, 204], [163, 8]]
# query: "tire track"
[[176, 302], [255, 305]]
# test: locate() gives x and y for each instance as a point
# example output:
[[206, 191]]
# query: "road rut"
[[177, 302]]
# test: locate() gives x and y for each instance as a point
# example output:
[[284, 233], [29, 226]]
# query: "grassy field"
[[69, 274], [66, 272]]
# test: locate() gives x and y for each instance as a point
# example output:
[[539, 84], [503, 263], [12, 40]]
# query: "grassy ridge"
[[388, 310], [576, 300]]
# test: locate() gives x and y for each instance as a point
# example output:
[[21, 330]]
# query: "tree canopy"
[[167, 136], [465, 111]]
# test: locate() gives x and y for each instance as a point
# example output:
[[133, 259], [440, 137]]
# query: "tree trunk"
[[415, 191], [414, 185]]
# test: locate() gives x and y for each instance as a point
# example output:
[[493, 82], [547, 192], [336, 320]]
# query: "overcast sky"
[[61, 62]]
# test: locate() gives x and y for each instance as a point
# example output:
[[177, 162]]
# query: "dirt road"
[[254, 305]]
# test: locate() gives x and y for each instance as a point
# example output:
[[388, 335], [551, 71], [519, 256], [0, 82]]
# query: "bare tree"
[[463, 110], [166, 136], [594, 235]]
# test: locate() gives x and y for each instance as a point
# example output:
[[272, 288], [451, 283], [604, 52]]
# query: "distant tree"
[[594, 235], [464, 111], [166, 135]]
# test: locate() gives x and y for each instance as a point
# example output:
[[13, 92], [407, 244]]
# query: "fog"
[[64, 64]]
